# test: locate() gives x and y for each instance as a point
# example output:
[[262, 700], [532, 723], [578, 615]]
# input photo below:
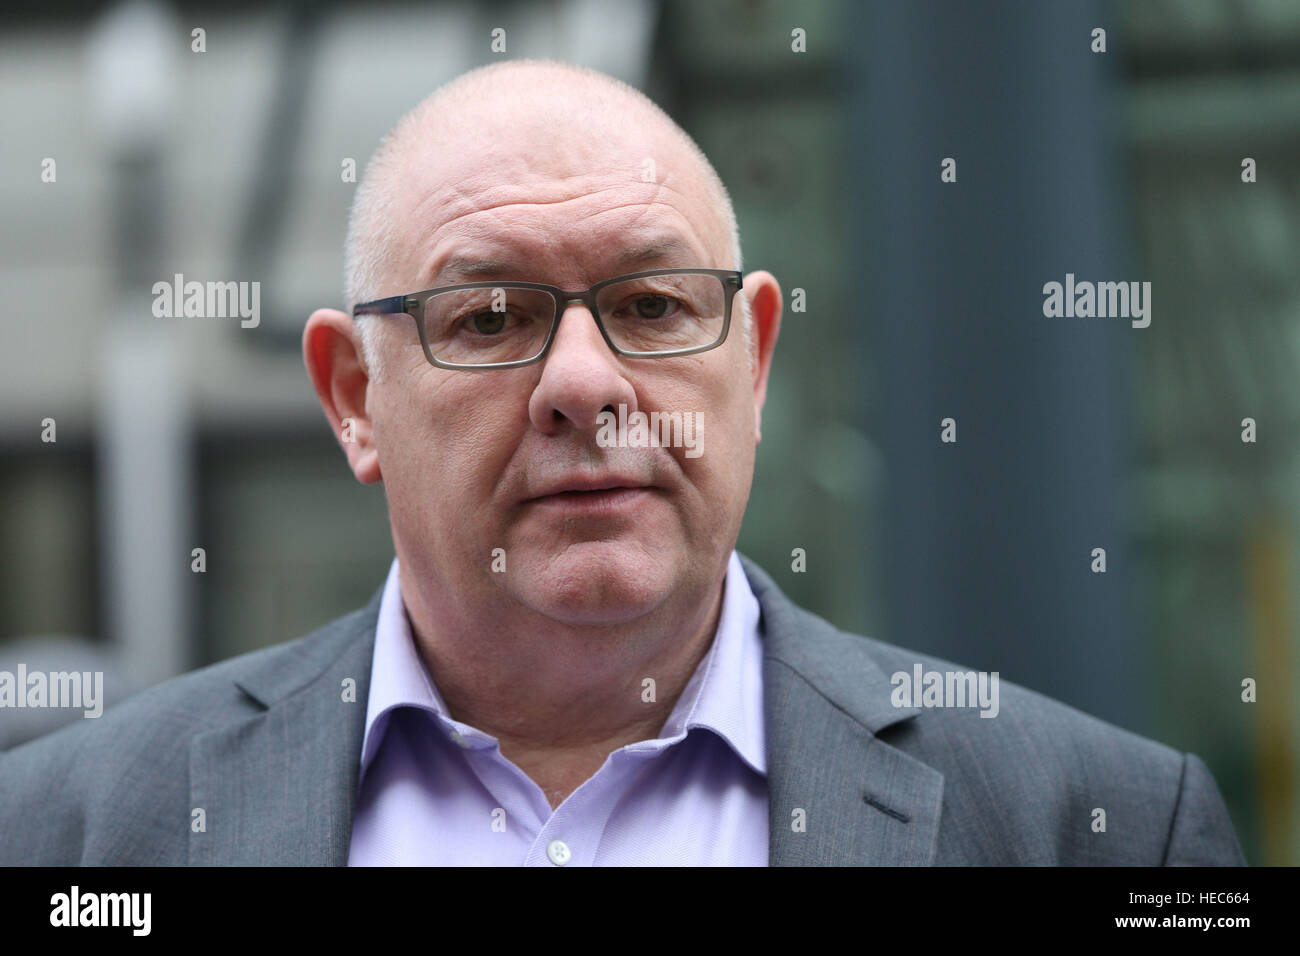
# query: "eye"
[[651, 306], [487, 323]]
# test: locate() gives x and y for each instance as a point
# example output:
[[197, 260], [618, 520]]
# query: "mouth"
[[584, 484], [594, 496]]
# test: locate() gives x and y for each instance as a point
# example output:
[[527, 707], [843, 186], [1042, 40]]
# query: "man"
[[568, 663]]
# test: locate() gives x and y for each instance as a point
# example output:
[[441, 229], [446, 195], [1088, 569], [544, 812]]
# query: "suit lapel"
[[279, 786], [839, 794]]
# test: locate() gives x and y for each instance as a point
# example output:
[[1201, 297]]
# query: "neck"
[[561, 698]]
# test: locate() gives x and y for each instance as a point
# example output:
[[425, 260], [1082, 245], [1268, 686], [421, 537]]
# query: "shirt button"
[[459, 738], [558, 851]]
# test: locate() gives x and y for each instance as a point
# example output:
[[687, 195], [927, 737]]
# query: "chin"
[[597, 583]]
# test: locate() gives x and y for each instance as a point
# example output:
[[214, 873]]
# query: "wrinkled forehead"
[[537, 173]]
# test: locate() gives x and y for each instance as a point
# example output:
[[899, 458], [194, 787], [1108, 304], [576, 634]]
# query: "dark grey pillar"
[[987, 550]]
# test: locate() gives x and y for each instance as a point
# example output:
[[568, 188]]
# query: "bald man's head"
[[541, 172], [578, 118]]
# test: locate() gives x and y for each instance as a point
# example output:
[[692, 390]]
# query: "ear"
[[331, 349], [764, 296]]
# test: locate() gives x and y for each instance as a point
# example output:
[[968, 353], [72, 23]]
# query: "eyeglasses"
[[655, 314]]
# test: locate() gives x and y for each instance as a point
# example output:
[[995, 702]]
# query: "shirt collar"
[[724, 695]]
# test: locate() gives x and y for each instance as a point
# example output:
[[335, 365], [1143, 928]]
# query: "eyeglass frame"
[[413, 303]]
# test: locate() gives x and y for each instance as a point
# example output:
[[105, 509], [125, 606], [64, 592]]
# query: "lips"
[[578, 485]]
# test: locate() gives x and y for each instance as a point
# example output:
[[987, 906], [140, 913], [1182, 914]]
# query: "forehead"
[[509, 189]]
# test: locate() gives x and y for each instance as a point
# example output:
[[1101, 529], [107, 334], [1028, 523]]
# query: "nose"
[[581, 377]]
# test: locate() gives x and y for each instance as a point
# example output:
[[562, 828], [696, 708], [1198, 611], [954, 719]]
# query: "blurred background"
[[130, 155]]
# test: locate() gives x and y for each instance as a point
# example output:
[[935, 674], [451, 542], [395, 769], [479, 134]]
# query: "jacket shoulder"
[[1052, 784], [106, 777], [1026, 779]]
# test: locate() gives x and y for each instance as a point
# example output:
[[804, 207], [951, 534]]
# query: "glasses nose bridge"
[[564, 299]]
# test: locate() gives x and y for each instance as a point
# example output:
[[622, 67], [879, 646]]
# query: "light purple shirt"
[[435, 791]]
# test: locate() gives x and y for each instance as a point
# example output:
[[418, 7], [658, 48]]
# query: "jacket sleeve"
[[1201, 833]]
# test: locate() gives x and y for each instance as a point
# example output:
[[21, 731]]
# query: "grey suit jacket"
[[267, 748]]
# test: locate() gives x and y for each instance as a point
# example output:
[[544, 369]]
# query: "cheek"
[[726, 443], [444, 447], [728, 405]]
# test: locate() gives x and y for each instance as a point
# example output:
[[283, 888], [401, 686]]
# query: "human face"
[[475, 463]]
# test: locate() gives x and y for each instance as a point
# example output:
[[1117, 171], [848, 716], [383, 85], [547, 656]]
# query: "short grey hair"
[[370, 231]]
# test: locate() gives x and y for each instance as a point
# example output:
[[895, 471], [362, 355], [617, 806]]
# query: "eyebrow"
[[461, 267], [663, 248]]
